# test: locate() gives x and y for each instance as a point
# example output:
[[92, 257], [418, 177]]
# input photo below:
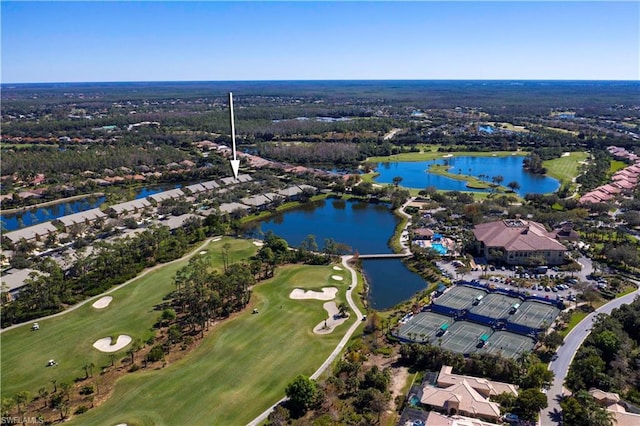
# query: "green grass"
[[25, 353], [565, 168], [239, 369], [616, 165], [576, 317]]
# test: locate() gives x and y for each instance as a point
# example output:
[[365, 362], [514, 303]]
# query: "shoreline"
[[50, 203]]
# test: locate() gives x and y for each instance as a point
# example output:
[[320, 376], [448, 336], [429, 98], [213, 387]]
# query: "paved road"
[[560, 366], [336, 352]]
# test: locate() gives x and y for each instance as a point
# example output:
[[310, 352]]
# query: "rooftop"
[[517, 234]]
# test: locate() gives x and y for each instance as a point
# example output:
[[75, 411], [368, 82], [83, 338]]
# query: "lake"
[[416, 174], [364, 227]]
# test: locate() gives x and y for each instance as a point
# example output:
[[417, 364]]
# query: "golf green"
[[239, 369]]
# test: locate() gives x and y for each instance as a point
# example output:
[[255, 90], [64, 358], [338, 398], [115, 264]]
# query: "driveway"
[[552, 415]]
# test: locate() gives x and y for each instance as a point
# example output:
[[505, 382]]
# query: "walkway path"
[[93, 299], [552, 415], [336, 352]]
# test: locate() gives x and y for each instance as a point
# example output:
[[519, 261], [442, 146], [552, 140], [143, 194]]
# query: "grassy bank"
[[281, 208]]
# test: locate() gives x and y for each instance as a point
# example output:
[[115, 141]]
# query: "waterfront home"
[[85, 218], [32, 233]]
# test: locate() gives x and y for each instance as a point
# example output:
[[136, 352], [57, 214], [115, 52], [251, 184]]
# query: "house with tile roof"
[[612, 402], [515, 241], [465, 395]]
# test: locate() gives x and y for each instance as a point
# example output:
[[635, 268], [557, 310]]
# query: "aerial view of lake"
[[390, 282], [364, 227], [416, 174]]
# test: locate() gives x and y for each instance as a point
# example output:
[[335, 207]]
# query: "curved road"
[[552, 415], [354, 281]]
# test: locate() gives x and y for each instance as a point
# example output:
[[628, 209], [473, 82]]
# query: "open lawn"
[[565, 168], [239, 369], [68, 339], [616, 165]]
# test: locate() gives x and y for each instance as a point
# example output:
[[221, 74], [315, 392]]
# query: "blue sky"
[[152, 41]]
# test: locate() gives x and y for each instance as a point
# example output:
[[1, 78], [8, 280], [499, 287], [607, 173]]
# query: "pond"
[[364, 227], [416, 174]]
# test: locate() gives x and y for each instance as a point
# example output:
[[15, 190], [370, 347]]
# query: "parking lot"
[[503, 278]]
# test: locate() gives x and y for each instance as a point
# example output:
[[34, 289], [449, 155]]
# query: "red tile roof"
[[516, 235]]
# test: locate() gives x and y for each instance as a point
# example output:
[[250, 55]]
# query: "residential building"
[[516, 241], [612, 402], [456, 394], [32, 233]]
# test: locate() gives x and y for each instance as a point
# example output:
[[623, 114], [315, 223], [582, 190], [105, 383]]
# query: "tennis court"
[[424, 326], [495, 306], [508, 344], [535, 314], [459, 297], [463, 336]]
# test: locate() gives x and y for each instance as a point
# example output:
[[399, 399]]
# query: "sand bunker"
[[327, 293], [258, 243], [328, 325], [104, 344], [447, 156], [216, 239], [103, 302], [203, 252], [337, 277], [337, 268], [566, 154]]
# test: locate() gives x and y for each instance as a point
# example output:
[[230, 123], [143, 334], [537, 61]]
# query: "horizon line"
[[321, 80]]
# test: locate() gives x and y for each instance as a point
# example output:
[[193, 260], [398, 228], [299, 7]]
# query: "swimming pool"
[[439, 248]]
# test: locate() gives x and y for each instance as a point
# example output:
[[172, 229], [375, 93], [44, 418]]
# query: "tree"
[[497, 180], [22, 399], [396, 180], [302, 394], [279, 416], [513, 186], [7, 406], [581, 409], [529, 403]]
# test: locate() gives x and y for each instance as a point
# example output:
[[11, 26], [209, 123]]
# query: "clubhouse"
[[515, 241]]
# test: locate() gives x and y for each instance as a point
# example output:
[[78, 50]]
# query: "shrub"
[[86, 390], [155, 354], [81, 409]]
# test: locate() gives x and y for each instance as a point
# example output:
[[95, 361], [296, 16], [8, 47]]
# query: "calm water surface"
[[390, 282], [416, 174], [363, 226]]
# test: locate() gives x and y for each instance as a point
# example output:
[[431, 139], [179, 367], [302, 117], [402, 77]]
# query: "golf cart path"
[[111, 290], [354, 281]]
